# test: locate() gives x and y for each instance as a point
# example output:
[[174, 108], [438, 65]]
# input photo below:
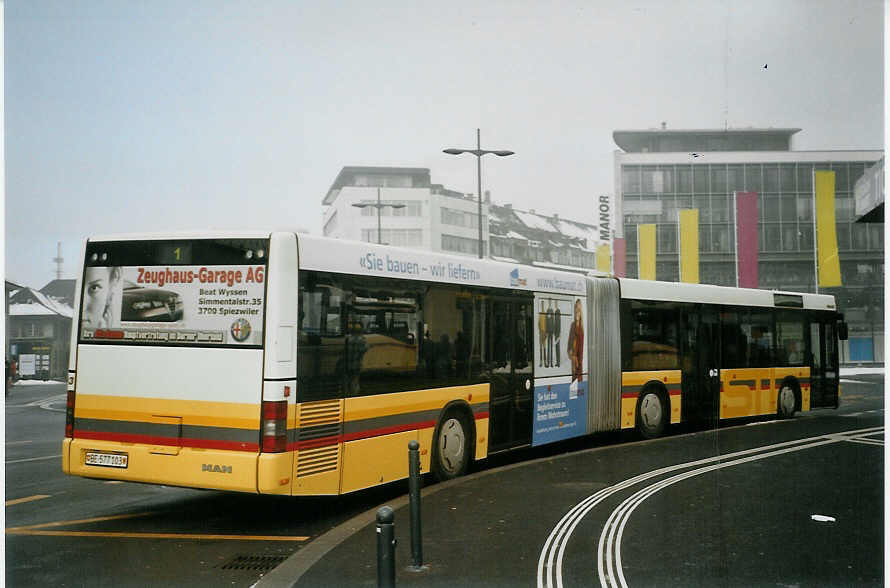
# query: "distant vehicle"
[[305, 365], [150, 304]]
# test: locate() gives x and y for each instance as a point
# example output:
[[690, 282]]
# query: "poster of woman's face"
[[101, 298]]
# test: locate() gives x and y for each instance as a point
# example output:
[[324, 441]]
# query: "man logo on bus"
[[240, 330]]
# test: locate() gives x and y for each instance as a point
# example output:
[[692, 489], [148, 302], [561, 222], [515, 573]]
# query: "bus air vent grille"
[[319, 433], [319, 413], [317, 461]]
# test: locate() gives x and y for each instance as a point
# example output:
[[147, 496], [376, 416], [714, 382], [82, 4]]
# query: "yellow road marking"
[[30, 531], [79, 522], [27, 499], [37, 530]]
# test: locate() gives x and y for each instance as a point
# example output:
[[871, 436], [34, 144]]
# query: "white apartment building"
[[430, 217]]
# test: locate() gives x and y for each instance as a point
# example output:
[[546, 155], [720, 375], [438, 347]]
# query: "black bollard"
[[414, 483], [386, 548]]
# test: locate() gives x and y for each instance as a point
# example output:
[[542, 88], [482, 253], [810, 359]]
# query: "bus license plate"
[[108, 460]]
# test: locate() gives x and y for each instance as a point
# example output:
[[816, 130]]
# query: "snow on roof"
[[39, 304], [577, 231], [30, 309], [534, 221], [515, 235]]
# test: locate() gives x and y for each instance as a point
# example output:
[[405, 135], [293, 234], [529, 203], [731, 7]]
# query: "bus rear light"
[[69, 415], [274, 426]]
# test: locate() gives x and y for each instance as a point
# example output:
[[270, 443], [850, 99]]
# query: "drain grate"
[[255, 563]]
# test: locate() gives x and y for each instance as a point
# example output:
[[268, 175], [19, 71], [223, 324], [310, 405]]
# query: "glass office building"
[[658, 172]]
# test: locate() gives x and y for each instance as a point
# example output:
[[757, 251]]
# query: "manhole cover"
[[255, 563]]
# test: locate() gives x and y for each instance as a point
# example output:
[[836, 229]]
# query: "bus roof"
[[184, 234], [360, 258], [707, 294]]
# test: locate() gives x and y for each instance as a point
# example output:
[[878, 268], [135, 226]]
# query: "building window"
[[397, 237], [718, 179], [720, 239], [788, 206], [735, 178], [460, 244], [684, 179], [860, 236], [459, 218], [786, 177], [667, 238], [719, 208], [845, 208], [843, 236], [805, 208], [753, 181], [630, 179], [770, 178], [410, 208], [841, 177], [700, 179]]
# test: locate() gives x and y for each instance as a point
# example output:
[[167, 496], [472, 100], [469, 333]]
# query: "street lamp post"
[[479, 152], [378, 205]]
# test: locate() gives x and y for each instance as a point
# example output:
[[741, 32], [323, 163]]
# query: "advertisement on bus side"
[[198, 305], [560, 399]]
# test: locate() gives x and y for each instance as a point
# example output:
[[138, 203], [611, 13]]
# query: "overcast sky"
[[139, 116]]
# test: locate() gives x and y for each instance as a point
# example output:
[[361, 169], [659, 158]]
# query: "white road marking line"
[[34, 459], [867, 441], [550, 561]]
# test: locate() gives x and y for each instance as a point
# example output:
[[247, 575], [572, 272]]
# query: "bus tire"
[[652, 413], [786, 402], [451, 446]]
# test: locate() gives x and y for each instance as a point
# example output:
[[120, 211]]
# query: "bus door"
[[510, 369], [823, 353], [702, 401]]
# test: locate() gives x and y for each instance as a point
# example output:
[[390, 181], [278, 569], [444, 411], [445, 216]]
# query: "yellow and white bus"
[[281, 363]]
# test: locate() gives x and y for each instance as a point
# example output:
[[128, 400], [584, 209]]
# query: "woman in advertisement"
[[101, 304], [576, 343]]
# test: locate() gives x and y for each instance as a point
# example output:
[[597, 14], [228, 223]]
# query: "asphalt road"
[[741, 518]]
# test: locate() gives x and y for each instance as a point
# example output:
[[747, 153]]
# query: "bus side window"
[[320, 349], [757, 325], [735, 342], [790, 342]]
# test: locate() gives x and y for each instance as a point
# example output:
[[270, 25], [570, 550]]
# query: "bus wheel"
[[451, 453], [650, 414], [786, 402]]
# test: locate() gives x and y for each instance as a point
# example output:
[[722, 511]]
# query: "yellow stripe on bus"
[[193, 412], [415, 401]]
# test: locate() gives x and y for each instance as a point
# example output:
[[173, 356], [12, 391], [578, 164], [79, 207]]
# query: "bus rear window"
[[197, 292]]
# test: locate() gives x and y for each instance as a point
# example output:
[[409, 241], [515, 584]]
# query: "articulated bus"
[[281, 363]]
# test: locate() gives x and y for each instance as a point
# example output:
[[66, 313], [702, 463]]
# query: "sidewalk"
[[463, 530]]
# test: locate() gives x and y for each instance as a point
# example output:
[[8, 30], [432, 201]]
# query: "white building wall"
[[349, 222], [469, 207]]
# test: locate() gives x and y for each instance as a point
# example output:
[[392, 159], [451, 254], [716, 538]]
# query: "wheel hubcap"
[[650, 411], [451, 444]]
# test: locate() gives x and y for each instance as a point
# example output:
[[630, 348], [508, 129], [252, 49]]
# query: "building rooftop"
[[419, 177], [670, 140]]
